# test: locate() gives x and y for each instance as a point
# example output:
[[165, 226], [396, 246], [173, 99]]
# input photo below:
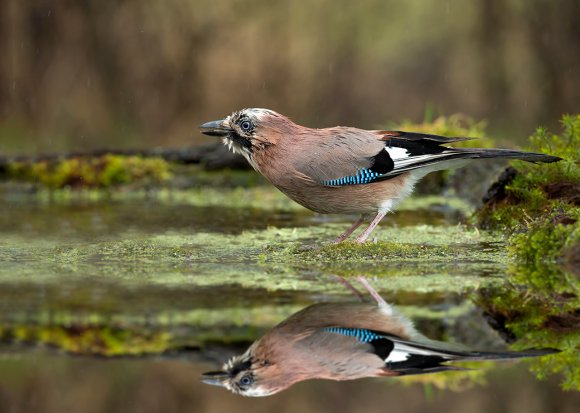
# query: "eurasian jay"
[[342, 342], [344, 169]]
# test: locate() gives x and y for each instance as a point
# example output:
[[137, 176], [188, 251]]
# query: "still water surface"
[[121, 305]]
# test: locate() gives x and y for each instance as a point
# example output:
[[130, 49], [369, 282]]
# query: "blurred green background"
[[79, 75]]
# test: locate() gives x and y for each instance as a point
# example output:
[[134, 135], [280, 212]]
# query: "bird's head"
[[249, 376], [249, 130]]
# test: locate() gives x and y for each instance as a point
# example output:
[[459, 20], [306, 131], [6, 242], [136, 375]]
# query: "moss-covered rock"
[[555, 239], [539, 204]]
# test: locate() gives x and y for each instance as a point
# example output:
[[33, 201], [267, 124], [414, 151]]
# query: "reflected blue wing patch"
[[360, 334]]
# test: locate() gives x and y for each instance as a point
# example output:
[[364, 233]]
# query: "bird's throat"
[[238, 143]]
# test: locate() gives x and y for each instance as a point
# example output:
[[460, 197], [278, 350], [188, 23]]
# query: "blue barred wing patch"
[[362, 176], [360, 334]]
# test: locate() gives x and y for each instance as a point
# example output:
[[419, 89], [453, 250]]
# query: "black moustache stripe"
[[240, 140]]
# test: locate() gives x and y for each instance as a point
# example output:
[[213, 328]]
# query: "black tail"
[[427, 153], [506, 153], [418, 358]]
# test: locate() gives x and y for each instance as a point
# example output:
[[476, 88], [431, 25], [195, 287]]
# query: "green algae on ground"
[[446, 259], [420, 242], [351, 251], [103, 171]]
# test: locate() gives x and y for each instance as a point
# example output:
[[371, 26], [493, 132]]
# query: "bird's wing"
[[402, 357], [348, 156], [325, 354], [411, 151], [337, 154]]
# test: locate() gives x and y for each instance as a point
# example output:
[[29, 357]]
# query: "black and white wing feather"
[[387, 154], [403, 357]]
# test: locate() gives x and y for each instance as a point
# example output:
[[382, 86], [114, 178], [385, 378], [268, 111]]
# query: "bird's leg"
[[349, 231], [363, 237], [349, 287], [380, 300]]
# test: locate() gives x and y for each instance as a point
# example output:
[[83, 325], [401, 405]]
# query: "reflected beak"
[[215, 128], [215, 378]]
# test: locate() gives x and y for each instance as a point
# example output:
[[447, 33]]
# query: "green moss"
[[549, 241], [541, 203], [92, 172], [538, 189]]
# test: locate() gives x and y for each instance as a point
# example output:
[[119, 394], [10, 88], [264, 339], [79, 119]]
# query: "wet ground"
[[118, 303]]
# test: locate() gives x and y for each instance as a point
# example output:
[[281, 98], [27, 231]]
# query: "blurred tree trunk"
[[554, 31]]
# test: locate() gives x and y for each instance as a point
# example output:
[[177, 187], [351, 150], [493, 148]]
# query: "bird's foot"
[[340, 239], [360, 239]]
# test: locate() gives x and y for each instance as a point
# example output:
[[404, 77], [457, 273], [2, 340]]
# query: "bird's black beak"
[[215, 128], [215, 378]]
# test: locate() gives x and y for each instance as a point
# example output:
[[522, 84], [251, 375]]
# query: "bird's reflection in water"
[[343, 342]]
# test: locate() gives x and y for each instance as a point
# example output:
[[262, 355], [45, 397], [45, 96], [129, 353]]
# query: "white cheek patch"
[[397, 153]]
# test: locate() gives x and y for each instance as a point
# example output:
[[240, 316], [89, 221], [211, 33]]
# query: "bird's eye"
[[246, 381], [246, 125]]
